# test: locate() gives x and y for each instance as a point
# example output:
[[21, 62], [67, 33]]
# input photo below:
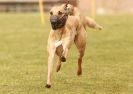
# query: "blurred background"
[[87, 6], [107, 64]]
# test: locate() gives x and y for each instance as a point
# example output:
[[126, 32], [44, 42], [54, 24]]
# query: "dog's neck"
[[59, 33], [76, 12]]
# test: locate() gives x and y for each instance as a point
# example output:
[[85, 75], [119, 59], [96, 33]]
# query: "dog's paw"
[[79, 72], [48, 86], [63, 59]]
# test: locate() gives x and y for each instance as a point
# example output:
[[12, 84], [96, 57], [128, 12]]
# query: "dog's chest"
[[65, 39]]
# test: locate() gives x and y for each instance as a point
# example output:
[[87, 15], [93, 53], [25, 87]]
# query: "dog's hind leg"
[[58, 65], [80, 42], [60, 53]]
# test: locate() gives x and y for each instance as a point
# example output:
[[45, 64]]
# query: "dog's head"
[[58, 17]]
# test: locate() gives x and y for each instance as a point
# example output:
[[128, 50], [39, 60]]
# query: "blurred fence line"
[[101, 6], [28, 5], [24, 5], [107, 6]]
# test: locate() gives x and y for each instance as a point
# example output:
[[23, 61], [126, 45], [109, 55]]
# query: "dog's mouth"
[[58, 22]]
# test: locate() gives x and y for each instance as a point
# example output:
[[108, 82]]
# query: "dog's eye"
[[60, 13], [51, 13]]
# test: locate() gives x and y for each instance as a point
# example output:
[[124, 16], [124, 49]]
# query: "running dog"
[[66, 30]]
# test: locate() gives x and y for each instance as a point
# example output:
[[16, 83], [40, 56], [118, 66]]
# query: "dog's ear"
[[70, 9], [65, 7]]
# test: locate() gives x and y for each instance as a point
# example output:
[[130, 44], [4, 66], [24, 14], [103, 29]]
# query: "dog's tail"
[[91, 23]]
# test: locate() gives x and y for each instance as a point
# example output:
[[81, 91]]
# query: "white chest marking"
[[58, 43]]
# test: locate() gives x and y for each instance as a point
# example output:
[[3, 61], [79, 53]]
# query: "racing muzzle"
[[58, 22]]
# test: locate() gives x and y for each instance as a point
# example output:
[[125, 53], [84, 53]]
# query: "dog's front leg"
[[65, 52], [66, 47], [64, 55], [51, 51]]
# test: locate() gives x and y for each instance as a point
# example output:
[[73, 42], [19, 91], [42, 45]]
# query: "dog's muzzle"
[[57, 22]]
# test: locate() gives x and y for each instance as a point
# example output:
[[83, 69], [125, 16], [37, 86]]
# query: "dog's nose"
[[53, 19], [54, 22]]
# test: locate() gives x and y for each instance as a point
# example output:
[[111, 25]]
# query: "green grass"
[[107, 65]]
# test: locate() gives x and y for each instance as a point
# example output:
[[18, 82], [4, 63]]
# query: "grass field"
[[107, 66]]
